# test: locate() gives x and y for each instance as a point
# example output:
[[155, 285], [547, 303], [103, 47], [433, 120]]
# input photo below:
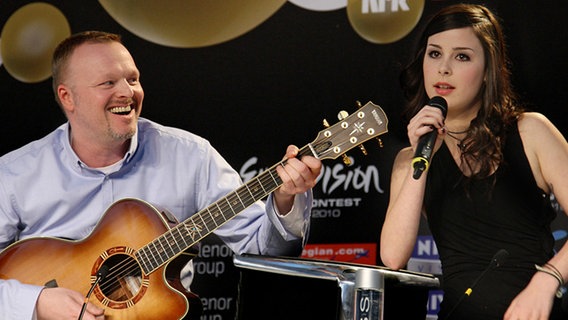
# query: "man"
[[60, 185]]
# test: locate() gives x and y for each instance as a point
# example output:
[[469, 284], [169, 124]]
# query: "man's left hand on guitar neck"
[[298, 176]]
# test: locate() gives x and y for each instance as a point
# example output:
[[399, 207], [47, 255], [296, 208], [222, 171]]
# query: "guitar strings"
[[223, 206], [217, 212], [130, 265]]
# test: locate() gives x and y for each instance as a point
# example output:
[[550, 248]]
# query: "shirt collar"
[[77, 161], [133, 147]]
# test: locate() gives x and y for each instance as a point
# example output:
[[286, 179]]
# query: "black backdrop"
[[255, 94]]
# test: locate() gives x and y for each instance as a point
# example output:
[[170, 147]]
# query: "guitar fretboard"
[[186, 234], [368, 122]]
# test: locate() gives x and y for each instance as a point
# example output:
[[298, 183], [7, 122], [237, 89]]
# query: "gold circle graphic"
[[29, 38], [383, 22], [190, 23]]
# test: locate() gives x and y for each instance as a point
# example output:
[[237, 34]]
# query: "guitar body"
[[126, 292]]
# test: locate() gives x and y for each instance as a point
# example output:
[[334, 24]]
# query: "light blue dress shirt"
[[45, 190]]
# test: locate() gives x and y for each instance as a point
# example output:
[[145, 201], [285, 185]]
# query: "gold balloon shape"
[[384, 21], [29, 38], [190, 23]]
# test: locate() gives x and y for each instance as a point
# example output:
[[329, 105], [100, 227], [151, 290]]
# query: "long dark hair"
[[482, 151]]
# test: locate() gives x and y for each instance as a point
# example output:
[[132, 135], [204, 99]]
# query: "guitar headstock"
[[367, 122]]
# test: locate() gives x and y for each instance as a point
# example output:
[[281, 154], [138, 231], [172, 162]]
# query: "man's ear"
[[65, 97]]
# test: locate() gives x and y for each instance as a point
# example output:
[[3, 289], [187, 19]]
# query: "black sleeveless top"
[[470, 227]]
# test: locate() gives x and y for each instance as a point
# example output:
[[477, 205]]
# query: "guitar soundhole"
[[124, 279]]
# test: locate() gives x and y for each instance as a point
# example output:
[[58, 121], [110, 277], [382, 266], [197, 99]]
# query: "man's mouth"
[[121, 110]]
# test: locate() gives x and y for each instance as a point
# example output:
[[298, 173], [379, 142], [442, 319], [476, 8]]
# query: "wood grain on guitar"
[[145, 251]]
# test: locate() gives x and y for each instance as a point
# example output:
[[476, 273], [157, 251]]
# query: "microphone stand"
[[101, 274], [496, 261]]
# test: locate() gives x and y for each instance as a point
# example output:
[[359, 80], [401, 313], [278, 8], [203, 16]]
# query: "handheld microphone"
[[101, 274], [423, 154], [497, 261]]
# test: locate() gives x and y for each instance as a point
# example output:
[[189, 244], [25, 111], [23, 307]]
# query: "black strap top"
[[470, 227]]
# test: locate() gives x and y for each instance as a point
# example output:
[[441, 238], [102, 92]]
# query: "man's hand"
[[298, 176], [61, 304]]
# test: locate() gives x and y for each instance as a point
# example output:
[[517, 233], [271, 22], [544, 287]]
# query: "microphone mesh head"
[[500, 257], [439, 103]]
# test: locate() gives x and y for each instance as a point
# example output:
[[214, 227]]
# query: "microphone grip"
[[425, 147]]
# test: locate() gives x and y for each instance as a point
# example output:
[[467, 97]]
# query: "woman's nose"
[[444, 68]]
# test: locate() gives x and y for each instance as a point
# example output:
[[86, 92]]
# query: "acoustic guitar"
[[142, 249]]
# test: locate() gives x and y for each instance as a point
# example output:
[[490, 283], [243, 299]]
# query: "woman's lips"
[[443, 88]]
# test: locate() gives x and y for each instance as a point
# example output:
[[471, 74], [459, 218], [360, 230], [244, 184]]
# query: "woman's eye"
[[434, 54], [462, 57]]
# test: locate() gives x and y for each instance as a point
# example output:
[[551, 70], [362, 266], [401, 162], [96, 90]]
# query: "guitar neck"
[[368, 122], [186, 234]]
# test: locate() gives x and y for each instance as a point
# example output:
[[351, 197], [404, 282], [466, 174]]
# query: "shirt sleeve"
[[258, 229], [17, 300], [295, 223], [8, 218]]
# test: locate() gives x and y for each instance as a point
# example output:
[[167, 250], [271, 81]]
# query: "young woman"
[[490, 179]]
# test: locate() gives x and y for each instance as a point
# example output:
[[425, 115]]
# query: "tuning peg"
[[359, 105], [380, 142], [362, 147], [325, 123], [341, 116], [346, 159]]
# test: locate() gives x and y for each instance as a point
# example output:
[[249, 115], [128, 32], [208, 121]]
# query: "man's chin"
[[122, 136]]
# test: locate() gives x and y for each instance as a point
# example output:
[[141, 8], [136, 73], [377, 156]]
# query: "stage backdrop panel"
[[267, 78]]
